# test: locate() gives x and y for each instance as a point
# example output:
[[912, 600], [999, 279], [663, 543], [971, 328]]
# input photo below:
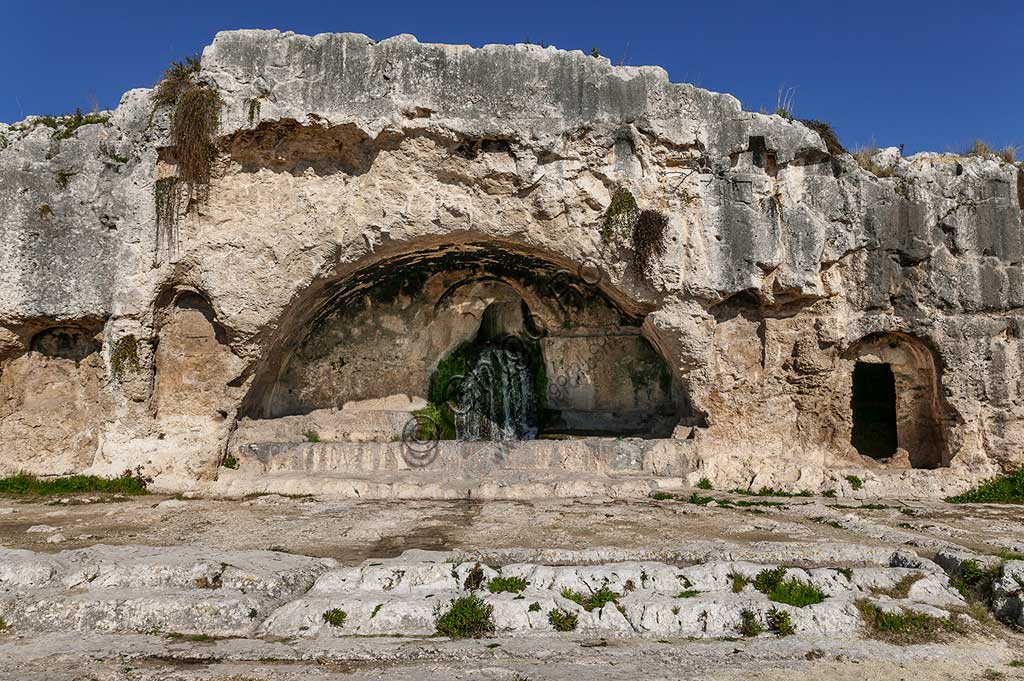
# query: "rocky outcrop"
[[360, 185]]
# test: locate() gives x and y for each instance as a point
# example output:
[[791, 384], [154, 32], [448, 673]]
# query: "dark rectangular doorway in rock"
[[874, 410]]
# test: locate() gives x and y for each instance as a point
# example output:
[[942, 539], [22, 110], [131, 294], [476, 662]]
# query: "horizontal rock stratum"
[[699, 291]]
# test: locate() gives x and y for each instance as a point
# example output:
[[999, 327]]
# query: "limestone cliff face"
[[346, 163]]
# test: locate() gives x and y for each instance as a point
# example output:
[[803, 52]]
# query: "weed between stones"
[[562, 620], [789, 591], [902, 628], [749, 624], [335, 617], [467, 617], [597, 599], [513, 585]]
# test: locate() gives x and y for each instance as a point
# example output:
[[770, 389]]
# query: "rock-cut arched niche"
[[895, 400], [194, 363], [52, 402], [494, 343]]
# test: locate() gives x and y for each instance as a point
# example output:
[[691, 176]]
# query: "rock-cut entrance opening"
[[896, 404], [873, 404]]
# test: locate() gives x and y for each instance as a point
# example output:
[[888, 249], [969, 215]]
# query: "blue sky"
[[929, 75]]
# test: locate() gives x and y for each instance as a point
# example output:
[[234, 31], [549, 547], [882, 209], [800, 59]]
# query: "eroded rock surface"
[[371, 202]]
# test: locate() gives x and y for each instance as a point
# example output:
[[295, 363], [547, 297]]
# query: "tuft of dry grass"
[[983, 149], [194, 122], [865, 159], [196, 119], [827, 133]]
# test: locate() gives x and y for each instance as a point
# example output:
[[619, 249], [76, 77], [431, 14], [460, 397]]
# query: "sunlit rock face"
[[381, 211]]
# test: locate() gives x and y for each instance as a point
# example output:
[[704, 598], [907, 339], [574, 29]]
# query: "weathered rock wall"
[[343, 157]]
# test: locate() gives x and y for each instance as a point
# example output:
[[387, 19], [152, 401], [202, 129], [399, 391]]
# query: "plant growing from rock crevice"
[[794, 592], [194, 123], [335, 617], [648, 241], [506, 585], [124, 356], [779, 622], [749, 624], [467, 617], [563, 620], [620, 216]]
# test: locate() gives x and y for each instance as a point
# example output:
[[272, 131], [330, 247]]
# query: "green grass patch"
[[780, 623], [335, 617], [512, 585], [793, 592], [739, 583], [749, 624], [230, 462], [534, 607], [689, 593], [1015, 663], [77, 120], [597, 599], [4, 626], [662, 496], [901, 589], [128, 483], [311, 436], [468, 617], [855, 482], [771, 492], [975, 581], [1006, 554], [562, 620], [704, 484], [1007, 489], [902, 628], [699, 500], [376, 609]]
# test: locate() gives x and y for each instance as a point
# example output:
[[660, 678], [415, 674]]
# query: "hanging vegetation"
[[648, 241], [194, 122], [621, 216]]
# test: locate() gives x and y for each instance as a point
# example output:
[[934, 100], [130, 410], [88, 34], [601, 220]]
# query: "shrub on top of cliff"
[[194, 122], [177, 77], [1007, 489], [648, 241], [865, 159], [77, 120], [827, 134], [621, 216], [981, 148]]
